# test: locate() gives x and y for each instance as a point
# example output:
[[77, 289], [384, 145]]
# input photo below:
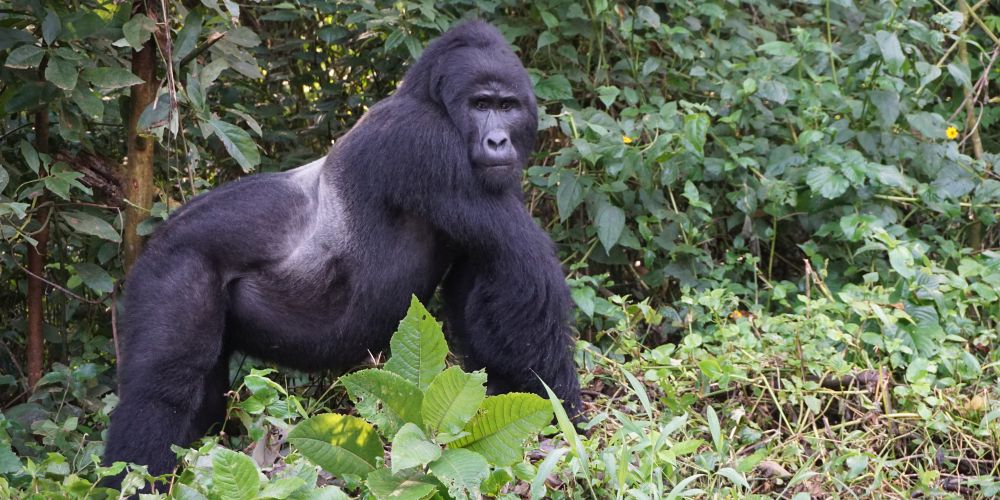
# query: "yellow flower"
[[626, 139], [951, 132]]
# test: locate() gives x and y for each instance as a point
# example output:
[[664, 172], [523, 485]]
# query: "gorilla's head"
[[474, 75]]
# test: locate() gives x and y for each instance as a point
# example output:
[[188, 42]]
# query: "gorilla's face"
[[491, 102]]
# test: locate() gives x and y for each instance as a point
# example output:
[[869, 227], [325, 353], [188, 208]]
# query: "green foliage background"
[[784, 264]]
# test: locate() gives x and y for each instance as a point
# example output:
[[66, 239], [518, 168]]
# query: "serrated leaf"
[[610, 221], [85, 223], [569, 195], [111, 78], [385, 399], [238, 144], [24, 57], [451, 399], [407, 485], [418, 347], [461, 471], [607, 94], [887, 104], [960, 72], [234, 475], [554, 88], [502, 425], [95, 277], [137, 30], [901, 260], [930, 125], [340, 444], [891, 50], [61, 73], [411, 448], [826, 182], [282, 488]]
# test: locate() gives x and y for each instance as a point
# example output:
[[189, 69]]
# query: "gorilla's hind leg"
[[172, 370]]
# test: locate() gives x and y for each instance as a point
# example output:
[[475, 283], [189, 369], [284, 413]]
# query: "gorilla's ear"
[[444, 64]]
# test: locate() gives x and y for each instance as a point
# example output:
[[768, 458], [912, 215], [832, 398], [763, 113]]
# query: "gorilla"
[[313, 268]]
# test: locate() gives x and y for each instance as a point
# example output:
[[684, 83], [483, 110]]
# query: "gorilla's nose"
[[497, 141]]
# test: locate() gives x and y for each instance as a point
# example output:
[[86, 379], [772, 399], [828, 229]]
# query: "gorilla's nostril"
[[496, 140]]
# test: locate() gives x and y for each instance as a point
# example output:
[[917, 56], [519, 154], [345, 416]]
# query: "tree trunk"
[[138, 185], [36, 266]]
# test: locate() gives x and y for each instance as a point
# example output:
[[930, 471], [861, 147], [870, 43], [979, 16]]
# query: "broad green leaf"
[[85, 223], [901, 260], [95, 277], [418, 347], [238, 144], [461, 471], [610, 222], [24, 57], [187, 38], [607, 94], [61, 73], [773, 91], [156, 114], [451, 399], [111, 78], [960, 72], [554, 88], [569, 195], [407, 485], [234, 475], [51, 27], [695, 130], [826, 182], [714, 428], [502, 425], [892, 52], [887, 104], [340, 444], [410, 448], [930, 125], [137, 30], [30, 155], [384, 399], [282, 488], [647, 14]]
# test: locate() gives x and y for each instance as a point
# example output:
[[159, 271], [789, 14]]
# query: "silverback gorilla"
[[313, 268]]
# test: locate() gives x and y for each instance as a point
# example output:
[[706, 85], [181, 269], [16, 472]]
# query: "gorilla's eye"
[[506, 105], [481, 104]]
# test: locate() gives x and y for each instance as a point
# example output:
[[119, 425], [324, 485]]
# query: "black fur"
[[313, 268]]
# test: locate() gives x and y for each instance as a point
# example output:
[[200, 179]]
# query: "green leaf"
[[137, 30], [569, 195], [282, 488], [24, 57], [607, 94], [95, 277], [960, 72], [411, 448], [610, 223], [901, 260], [408, 485], [547, 466], [111, 78], [648, 15], [61, 73], [451, 399], [238, 144], [85, 223], [735, 477], [234, 475], [385, 399], [892, 52], [554, 88], [695, 130], [340, 444], [714, 428], [461, 471], [418, 347], [887, 104], [826, 182], [51, 27], [4, 178], [502, 425], [930, 125]]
